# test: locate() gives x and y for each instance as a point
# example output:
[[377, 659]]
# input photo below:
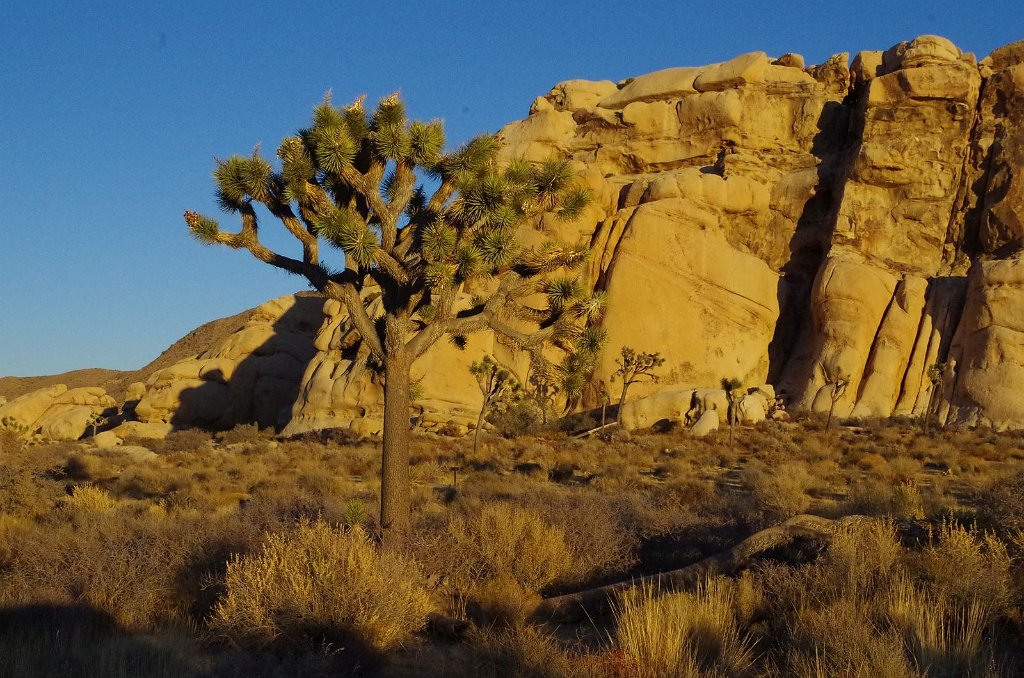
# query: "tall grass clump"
[[321, 584], [679, 635]]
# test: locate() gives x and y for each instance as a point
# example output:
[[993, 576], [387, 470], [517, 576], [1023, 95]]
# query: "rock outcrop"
[[769, 222], [252, 375], [754, 219], [56, 412]]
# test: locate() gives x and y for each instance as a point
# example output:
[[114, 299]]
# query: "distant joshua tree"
[[357, 180], [837, 382], [634, 367], [731, 385], [936, 373], [496, 383]]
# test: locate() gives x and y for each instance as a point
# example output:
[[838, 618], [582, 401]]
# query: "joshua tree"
[[354, 180], [96, 420], [633, 367], [495, 383], [837, 382], [730, 385], [935, 375]]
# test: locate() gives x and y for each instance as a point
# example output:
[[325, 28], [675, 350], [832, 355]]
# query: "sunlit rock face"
[[771, 222], [755, 219]]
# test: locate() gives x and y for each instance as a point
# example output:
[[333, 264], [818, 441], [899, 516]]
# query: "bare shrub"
[[780, 491], [318, 582]]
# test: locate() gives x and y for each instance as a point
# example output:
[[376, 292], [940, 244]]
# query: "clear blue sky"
[[111, 115]]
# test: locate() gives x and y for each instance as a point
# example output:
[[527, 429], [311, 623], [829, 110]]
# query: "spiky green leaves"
[[240, 179], [333, 147], [437, 240], [561, 292], [472, 159], [297, 168], [347, 230], [426, 141], [497, 246], [553, 255], [203, 229], [575, 200]]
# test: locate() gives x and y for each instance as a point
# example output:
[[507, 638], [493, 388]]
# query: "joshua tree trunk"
[[479, 425], [622, 401], [395, 493], [929, 407]]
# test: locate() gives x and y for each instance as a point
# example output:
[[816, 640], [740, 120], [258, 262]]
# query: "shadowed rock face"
[[752, 219]]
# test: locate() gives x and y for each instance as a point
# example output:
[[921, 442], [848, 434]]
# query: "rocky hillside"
[[858, 221]]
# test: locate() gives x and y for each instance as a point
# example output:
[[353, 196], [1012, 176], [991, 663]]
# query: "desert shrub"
[[183, 441], [10, 441], [505, 540], [96, 552], [679, 635], [901, 470], [521, 418], [500, 557], [510, 653], [946, 639], [319, 583], [244, 433], [88, 499], [969, 568], [877, 497], [860, 559], [83, 467], [842, 638], [1001, 505], [79, 642], [780, 492]]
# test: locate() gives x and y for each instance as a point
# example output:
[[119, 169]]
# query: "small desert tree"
[[837, 383], [935, 376], [730, 385], [357, 180], [496, 383], [634, 367]]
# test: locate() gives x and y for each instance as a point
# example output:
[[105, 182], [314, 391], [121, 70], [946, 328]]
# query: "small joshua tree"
[[730, 385], [634, 367], [935, 376], [496, 383], [837, 382], [94, 421]]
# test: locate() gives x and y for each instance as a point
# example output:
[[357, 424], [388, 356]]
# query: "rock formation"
[[56, 412], [754, 219], [760, 220]]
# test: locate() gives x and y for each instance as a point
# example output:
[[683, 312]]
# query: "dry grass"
[[150, 544], [683, 635]]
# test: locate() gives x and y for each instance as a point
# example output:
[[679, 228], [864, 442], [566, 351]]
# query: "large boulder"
[[667, 406], [253, 375]]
